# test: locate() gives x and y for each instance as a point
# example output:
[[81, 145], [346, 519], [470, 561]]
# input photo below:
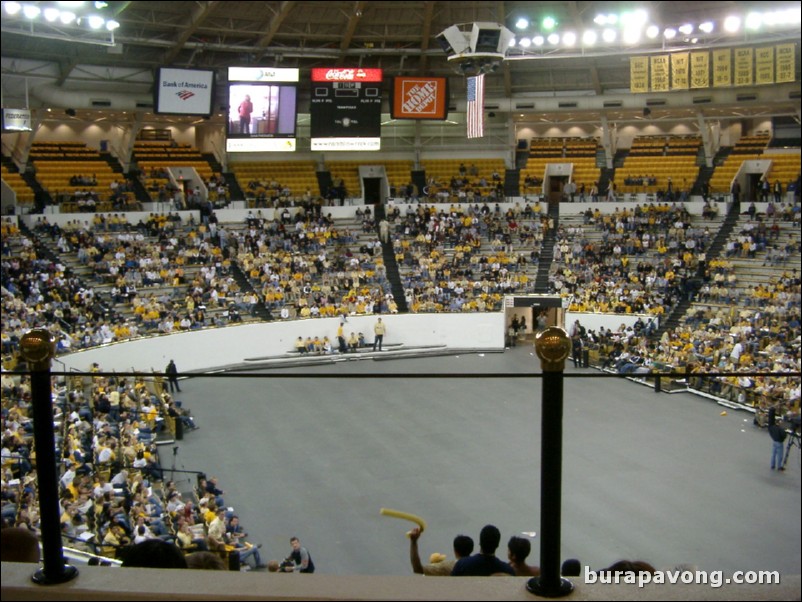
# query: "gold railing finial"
[[553, 347], [38, 347]]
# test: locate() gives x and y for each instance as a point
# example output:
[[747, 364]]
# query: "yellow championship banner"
[[660, 73], [680, 70], [700, 69], [764, 65], [785, 63], [743, 66], [722, 68], [639, 74]]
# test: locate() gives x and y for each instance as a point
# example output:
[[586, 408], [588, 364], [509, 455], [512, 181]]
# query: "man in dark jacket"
[[172, 377], [777, 434]]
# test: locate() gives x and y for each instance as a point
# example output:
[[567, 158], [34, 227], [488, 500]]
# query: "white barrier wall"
[[446, 207], [224, 216], [694, 207], [133, 217], [349, 211], [214, 348]]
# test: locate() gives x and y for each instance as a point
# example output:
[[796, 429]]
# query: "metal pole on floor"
[[38, 349], [553, 347]]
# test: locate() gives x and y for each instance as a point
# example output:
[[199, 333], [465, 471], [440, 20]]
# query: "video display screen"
[[262, 110]]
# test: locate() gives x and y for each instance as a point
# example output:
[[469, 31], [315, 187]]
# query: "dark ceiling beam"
[[594, 77], [428, 11], [197, 17], [353, 21], [273, 27], [501, 17], [119, 8], [505, 71], [65, 67]]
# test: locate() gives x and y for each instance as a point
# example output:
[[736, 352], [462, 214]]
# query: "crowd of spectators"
[[733, 325], [302, 260], [328, 346], [112, 487], [640, 181], [459, 189], [467, 185], [640, 260], [162, 275], [178, 197], [268, 192], [108, 460], [467, 257], [120, 196], [156, 276]]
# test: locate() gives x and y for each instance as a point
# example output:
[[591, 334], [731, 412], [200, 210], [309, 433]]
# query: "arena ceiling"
[[397, 36]]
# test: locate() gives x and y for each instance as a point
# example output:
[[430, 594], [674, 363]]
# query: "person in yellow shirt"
[[353, 343], [341, 343]]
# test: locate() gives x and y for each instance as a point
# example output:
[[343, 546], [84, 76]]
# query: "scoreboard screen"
[[345, 109]]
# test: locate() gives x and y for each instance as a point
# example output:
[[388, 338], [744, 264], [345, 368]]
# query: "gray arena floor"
[[658, 477]]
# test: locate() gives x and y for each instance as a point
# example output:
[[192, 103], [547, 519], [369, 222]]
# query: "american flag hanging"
[[476, 103]]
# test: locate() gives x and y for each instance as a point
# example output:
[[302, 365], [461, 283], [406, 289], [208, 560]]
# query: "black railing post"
[[38, 349], [552, 346]]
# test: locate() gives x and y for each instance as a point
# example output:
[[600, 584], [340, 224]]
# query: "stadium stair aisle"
[[547, 252], [391, 265]]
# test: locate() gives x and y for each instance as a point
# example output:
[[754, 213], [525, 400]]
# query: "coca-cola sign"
[[335, 74]]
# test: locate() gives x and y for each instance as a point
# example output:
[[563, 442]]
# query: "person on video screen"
[[245, 110]]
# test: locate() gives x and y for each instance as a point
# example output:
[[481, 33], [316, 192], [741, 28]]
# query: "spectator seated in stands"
[[154, 553], [632, 365], [235, 536]]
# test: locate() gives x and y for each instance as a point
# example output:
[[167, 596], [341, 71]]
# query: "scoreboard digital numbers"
[[346, 109]]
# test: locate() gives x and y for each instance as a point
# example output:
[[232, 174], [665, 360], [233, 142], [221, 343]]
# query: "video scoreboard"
[[345, 109]]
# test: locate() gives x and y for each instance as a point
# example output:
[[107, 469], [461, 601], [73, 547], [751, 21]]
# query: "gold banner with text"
[[680, 71]]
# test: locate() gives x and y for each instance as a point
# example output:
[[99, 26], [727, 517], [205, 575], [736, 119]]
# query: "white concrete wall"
[[225, 216], [693, 207], [628, 133], [402, 206], [56, 130], [349, 211], [213, 348], [210, 137], [61, 219]]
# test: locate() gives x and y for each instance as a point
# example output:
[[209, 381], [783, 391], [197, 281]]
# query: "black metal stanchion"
[[38, 349], [552, 346]]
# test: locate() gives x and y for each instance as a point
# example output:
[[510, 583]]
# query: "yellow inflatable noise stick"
[[406, 516]]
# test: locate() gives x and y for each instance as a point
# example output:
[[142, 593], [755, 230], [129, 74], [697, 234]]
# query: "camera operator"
[[794, 420]]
